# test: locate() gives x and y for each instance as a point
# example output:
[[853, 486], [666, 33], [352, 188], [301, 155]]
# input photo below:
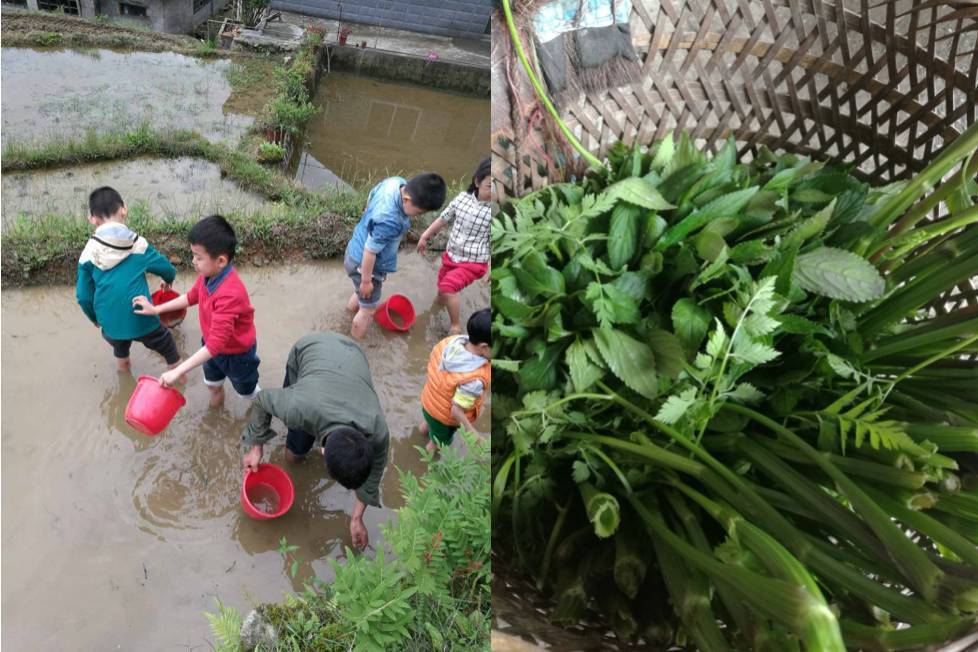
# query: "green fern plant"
[[864, 420], [225, 627]]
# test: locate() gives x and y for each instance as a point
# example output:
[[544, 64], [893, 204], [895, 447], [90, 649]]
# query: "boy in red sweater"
[[227, 319]]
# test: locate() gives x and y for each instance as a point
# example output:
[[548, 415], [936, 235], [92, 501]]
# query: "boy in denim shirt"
[[371, 253]]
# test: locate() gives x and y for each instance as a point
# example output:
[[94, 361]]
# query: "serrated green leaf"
[[638, 192], [655, 226], [709, 245], [597, 266], [634, 284], [731, 313], [583, 372], [762, 301], [811, 227], [623, 235], [506, 365], [669, 354], [540, 372], [554, 323], [703, 361], [757, 324], [753, 352], [717, 343], [664, 153], [751, 252], [797, 325], [746, 393], [810, 196], [610, 305], [630, 360], [676, 405], [838, 274], [535, 276], [714, 270], [690, 323], [592, 206], [841, 367], [580, 472], [511, 309], [728, 205]]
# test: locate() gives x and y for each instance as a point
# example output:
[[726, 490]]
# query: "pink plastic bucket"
[[152, 406], [266, 493], [395, 314]]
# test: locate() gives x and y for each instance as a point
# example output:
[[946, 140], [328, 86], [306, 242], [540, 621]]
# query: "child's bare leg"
[[217, 395], [454, 304], [123, 365], [431, 446], [353, 303], [361, 322]]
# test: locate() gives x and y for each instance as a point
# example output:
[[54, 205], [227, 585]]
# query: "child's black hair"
[[481, 172], [215, 235], [479, 327], [427, 191], [348, 457], [104, 202]]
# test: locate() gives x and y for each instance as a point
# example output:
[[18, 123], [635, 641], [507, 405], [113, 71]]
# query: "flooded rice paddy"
[[368, 129], [116, 540], [182, 187], [59, 94]]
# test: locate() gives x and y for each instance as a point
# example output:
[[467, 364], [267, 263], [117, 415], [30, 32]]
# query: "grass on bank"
[[45, 249], [299, 224]]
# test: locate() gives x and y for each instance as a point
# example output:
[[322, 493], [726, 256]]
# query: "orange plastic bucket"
[[266, 493], [395, 314], [152, 406], [174, 317]]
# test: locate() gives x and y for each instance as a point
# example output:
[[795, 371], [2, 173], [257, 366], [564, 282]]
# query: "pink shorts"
[[453, 277]]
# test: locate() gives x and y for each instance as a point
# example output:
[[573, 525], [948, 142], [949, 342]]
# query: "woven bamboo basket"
[[880, 84]]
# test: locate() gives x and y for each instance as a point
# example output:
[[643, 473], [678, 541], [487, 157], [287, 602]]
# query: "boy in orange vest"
[[458, 380]]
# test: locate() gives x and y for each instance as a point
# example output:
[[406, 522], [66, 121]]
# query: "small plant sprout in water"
[[286, 550]]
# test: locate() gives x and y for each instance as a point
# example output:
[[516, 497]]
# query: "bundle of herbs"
[[727, 413]]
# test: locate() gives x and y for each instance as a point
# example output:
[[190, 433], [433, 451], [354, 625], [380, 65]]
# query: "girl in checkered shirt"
[[466, 257]]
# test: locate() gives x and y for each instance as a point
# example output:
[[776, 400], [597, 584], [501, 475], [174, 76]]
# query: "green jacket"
[[329, 387], [111, 271]]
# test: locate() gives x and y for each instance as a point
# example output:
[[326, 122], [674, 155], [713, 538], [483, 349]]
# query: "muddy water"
[[368, 129], [58, 94], [181, 187], [115, 540]]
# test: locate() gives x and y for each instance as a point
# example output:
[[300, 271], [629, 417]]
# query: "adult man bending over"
[[327, 400]]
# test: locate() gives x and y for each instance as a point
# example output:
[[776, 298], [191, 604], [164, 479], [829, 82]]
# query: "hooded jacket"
[[111, 271]]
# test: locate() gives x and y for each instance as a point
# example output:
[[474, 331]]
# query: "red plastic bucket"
[[152, 406], [266, 493], [174, 317], [395, 314]]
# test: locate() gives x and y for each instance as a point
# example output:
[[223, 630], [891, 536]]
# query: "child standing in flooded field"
[[371, 253], [227, 318], [112, 271], [466, 257], [459, 373]]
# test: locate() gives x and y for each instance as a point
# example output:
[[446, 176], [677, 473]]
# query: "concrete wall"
[[443, 75], [465, 18]]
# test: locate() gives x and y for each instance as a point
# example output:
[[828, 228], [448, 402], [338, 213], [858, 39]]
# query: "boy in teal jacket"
[[111, 271]]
